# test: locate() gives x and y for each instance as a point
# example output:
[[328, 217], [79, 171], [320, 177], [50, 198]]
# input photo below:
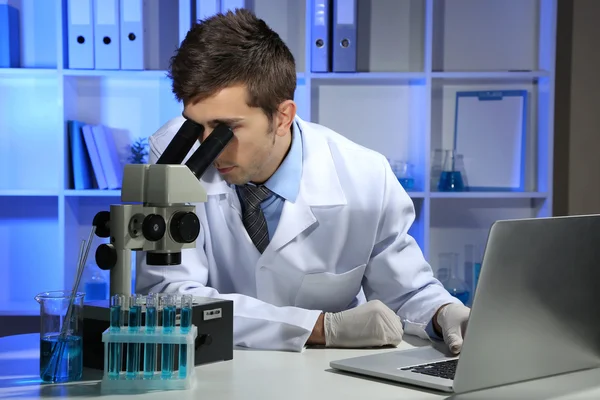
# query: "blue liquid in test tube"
[[187, 301], [133, 349], [150, 348], [115, 349], [168, 350]]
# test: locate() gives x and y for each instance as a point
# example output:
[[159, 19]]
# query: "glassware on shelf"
[[473, 260], [451, 178], [449, 277], [404, 171], [96, 285]]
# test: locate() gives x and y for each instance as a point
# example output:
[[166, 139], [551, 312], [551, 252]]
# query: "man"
[[300, 224]]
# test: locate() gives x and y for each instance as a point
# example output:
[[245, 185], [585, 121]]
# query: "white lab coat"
[[346, 230]]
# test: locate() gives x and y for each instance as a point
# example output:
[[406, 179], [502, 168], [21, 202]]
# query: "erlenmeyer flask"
[[450, 178]]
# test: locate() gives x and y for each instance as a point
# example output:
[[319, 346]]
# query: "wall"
[[577, 109]]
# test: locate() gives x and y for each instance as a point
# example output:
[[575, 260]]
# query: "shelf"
[[28, 192], [19, 308], [416, 195], [28, 72], [367, 77], [500, 75], [126, 74], [413, 56], [92, 193], [487, 195]]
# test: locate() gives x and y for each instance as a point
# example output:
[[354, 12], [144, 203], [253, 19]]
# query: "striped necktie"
[[253, 217]]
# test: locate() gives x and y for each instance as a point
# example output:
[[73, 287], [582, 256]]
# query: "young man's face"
[[252, 155]]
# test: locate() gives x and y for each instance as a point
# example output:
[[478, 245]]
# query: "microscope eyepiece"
[[209, 150], [182, 142]]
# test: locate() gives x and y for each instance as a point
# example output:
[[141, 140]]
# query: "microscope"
[[160, 220]]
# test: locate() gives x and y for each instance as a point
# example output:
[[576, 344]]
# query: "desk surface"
[[270, 375]]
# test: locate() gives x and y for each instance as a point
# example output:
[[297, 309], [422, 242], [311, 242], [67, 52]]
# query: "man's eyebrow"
[[215, 122], [226, 121]]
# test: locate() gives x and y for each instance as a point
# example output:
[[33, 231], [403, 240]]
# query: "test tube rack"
[[140, 382]]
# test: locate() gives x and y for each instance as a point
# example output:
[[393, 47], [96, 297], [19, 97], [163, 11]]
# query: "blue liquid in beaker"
[[95, 291], [462, 295], [451, 181], [61, 358], [407, 183]]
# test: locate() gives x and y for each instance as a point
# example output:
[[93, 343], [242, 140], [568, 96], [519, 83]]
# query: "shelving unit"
[[413, 55]]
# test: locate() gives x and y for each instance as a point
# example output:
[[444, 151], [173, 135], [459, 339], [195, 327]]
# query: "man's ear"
[[284, 117]]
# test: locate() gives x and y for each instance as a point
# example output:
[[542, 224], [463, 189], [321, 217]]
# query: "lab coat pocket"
[[329, 292]]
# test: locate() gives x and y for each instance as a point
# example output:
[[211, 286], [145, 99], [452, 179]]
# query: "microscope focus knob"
[[106, 256], [154, 227], [184, 227]]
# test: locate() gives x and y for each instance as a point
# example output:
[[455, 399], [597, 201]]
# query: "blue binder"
[[344, 36], [10, 43], [80, 17], [106, 34], [132, 34], [39, 44], [80, 160], [207, 8], [321, 36]]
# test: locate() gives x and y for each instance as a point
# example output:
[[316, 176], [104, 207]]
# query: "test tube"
[[185, 324], [115, 349], [168, 350], [133, 349], [150, 348]]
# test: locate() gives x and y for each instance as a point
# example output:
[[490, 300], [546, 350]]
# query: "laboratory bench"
[[266, 375]]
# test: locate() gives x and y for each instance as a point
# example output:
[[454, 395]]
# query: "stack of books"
[[95, 162]]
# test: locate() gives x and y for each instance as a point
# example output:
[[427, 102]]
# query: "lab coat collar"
[[319, 186]]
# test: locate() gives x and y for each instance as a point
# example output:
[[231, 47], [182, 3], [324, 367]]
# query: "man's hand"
[[369, 325], [451, 320]]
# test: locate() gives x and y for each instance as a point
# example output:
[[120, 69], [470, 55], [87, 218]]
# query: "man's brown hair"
[[231, 49]]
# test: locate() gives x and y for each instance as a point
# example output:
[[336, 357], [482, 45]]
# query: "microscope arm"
[[161, 221]]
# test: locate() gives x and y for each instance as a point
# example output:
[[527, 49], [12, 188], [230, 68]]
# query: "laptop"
[[534, 314]]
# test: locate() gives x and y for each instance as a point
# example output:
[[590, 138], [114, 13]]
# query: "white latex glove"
[[371, 324], [452, 320]]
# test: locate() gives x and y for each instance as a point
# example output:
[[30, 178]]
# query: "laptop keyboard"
[[440, 369]]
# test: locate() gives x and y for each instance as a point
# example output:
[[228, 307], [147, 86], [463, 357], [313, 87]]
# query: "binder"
[[106, 34], [10, 41], [131, 18], [344, 36], [80, 34], [109, 157], [39, 44], [92, 149], [231, 5], [80, 160], [187, 14], [207, 8], [490, 131], [321, 36]]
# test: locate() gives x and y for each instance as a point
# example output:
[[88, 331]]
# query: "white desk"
[[269, 375]]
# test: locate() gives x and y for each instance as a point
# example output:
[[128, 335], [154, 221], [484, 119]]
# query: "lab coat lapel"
[[319, 186]]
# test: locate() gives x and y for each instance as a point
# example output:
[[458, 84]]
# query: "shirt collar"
[[285, 182]]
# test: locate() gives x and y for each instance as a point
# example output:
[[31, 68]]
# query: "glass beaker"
[[61, 341], [448, 269], [404, 171], [451, 179]]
